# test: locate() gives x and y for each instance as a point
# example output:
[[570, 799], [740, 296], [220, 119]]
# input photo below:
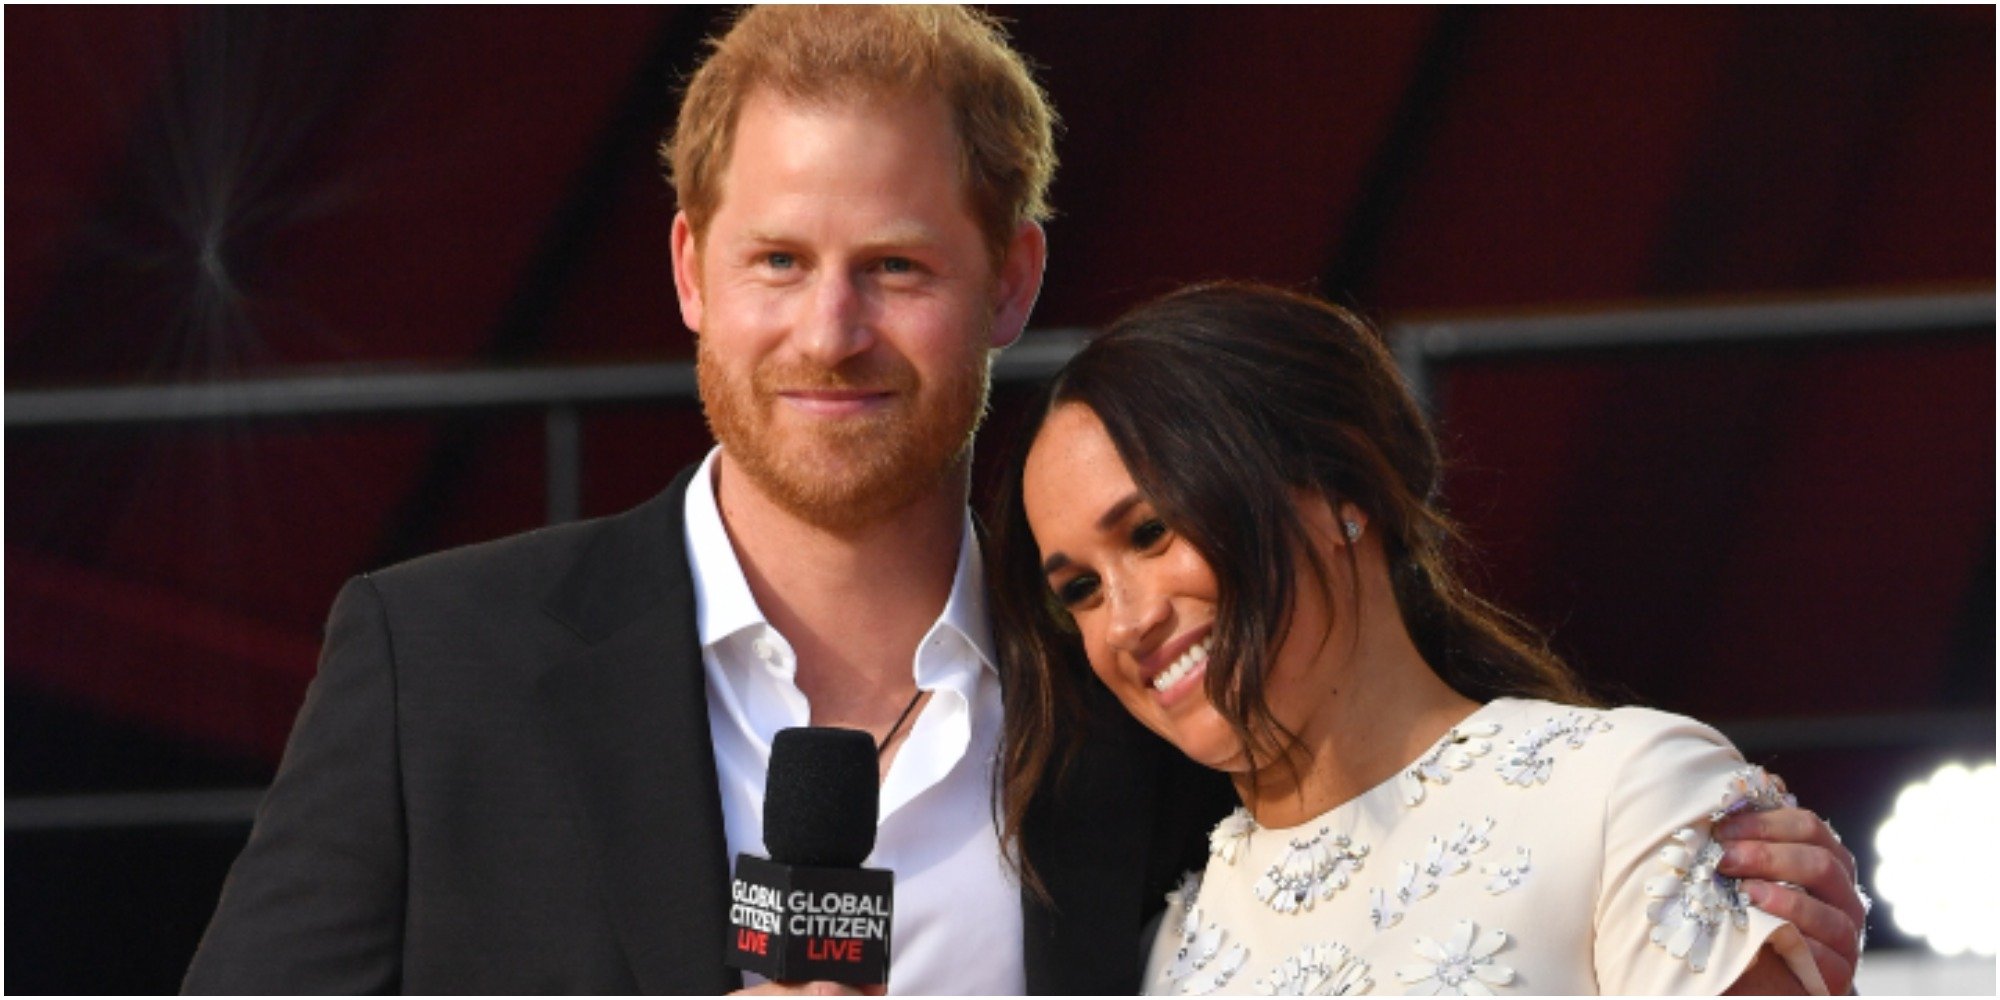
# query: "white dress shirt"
[[957, 918]]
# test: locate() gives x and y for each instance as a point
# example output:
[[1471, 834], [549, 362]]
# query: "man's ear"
[[687, 271], [1020, 282]]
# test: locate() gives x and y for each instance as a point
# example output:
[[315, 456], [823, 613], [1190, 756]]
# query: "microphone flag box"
[[795, 923]]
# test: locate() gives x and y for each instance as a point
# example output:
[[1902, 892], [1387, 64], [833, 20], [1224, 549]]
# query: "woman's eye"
[[1076, 590], [1148, 533]]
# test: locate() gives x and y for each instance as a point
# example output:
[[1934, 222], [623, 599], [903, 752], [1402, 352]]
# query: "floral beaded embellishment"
[[1200, 965], [1692, 900], [1311, 870], [1227, 839], [1461, 966], [1753, 789], [1183, 896], [1528, 762], [1460, 746], [1320, 970], [1506, 877], [1219, 975], [1386, 907], [1449, 857], [1418, 879]]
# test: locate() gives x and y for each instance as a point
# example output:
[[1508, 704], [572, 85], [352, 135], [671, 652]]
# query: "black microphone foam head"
[[820, 797]]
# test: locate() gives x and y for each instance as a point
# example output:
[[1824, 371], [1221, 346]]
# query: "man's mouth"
[[835, 402]]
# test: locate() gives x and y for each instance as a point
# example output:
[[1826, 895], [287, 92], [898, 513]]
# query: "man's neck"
[[852, 603]]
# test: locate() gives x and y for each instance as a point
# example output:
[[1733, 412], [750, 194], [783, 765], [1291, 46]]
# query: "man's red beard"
[[847, 473]]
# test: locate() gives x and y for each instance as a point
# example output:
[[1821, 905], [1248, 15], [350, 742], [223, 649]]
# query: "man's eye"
[[1148, 533], [898, 265], [1076, 590], [779, 261]]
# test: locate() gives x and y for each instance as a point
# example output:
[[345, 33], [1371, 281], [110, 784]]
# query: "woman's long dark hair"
[[1223, 401]]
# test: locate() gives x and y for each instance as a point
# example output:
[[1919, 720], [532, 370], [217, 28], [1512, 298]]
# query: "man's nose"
[[837, 324]]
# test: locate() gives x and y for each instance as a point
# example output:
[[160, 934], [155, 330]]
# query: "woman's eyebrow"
[[1105, 522], [1117, 512]]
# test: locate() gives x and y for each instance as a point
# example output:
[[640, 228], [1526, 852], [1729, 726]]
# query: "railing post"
[[563, 436]]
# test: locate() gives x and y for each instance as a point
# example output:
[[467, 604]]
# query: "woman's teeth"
[[1182, 667]]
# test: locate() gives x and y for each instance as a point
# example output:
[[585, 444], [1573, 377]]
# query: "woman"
[[1228, 510]]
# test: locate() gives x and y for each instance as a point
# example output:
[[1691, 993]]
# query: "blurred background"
[[1702, 299]]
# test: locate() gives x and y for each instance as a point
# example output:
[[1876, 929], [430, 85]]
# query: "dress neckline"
[[1387, 786]]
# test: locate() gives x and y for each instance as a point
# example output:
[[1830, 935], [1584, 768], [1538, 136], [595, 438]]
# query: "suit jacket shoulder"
[[589, 576], [501, 781]]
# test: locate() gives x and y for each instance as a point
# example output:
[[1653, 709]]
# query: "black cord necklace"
[[883, 746]]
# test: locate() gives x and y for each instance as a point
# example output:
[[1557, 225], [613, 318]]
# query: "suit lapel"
[[628, 714], [1090, 838]]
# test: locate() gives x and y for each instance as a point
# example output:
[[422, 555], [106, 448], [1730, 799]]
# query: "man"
[[525, 765]]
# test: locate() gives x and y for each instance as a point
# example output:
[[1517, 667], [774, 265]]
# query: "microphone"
[[811, 912]]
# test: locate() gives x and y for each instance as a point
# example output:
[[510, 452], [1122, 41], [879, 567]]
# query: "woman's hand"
[[1794, 867]]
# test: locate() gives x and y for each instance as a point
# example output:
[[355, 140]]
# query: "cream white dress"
[[1536, 848]]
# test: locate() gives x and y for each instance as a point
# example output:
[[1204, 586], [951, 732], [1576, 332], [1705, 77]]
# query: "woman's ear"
[[1353, 523], [1343, 528]]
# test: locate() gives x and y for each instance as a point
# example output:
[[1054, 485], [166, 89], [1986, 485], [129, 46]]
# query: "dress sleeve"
[[1666, 922]]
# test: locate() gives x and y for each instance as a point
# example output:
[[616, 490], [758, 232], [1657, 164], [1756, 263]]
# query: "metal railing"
[[1421, 349], [561, 393]]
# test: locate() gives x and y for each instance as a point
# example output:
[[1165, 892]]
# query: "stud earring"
[[1352, 530]]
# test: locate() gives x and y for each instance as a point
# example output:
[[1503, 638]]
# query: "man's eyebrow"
[[902, 234]]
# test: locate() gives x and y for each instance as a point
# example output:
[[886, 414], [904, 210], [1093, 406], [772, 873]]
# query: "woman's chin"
[[1208, 742]]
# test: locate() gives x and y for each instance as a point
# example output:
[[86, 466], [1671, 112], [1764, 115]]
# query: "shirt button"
[[765, 650]]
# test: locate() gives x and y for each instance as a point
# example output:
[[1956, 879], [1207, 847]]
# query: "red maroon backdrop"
[[206, 194]]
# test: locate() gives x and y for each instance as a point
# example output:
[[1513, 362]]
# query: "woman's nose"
[[1137, 614]]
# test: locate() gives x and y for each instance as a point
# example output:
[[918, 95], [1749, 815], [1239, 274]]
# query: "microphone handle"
[[800, 923]]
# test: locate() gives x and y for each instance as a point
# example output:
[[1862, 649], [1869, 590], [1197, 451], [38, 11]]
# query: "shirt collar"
[[724, 605], [965, 612]]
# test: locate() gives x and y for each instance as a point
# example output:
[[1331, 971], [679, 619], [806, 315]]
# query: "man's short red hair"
[[824, 54]]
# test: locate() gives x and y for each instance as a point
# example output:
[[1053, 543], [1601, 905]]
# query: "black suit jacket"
[[502, 781]]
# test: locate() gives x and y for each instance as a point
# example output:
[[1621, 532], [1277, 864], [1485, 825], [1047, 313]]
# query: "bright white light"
[[1936, 870]]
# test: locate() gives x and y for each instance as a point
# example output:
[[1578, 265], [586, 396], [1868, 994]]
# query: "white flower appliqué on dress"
[[1320, 970], [1200, 964], [1528, 762], [1310, 871], [1692, 900], [1418, 879], [1752, 789], [1462, 966], [1227, 839], [1503, 877], [1460, 746]]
